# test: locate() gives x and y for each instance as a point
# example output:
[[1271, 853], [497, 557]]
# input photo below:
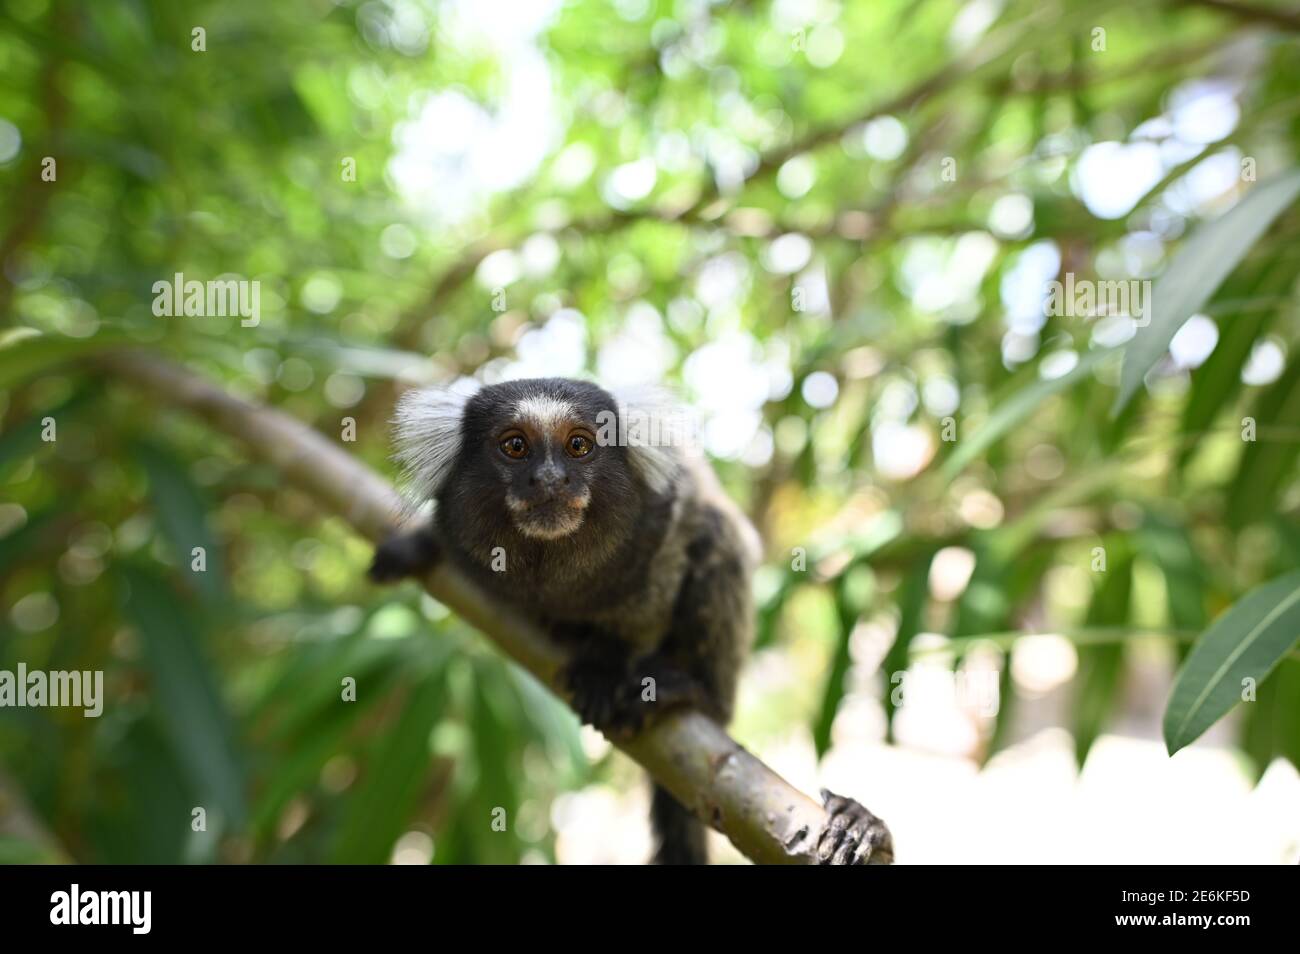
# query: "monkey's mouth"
[[549, 518]]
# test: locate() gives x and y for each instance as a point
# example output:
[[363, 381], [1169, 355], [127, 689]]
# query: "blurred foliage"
[[842, 203]]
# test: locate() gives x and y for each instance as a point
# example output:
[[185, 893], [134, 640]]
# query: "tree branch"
[[729, 789], [1250, 13], [708, 205], [34, 194]]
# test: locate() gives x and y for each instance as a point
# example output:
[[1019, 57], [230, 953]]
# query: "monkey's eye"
[[514, 446], [578, 445]]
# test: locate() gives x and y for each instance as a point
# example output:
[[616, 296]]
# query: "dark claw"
[[852, 836]]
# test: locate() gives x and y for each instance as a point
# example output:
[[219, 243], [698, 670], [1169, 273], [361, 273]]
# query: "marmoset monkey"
[[624, 548]]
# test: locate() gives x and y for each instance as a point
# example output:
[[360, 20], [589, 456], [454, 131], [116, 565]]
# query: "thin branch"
[[34, 194], [767, 819], [1144, 66], [1250, 12], [705, 206]]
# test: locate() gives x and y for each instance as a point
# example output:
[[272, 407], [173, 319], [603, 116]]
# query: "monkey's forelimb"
[[405, 553], [617, 692]]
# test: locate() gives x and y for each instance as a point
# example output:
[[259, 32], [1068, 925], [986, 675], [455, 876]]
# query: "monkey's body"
[[675, 588], [630, 555]]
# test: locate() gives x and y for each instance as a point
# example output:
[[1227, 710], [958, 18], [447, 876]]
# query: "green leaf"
[[498, 720], [133, 817], [1102, 666], [1268, 460], [305, 693], [18, 444], [25, 352], [185, 693], [913, 593], [24, 439], [847, 610], [1216, 381], [299, 767], [25, 542], [183, 516], [770, 610], [20, 851], [1016, 408], [377, 813], [1246, 642], [1197, 270], [1170, 545], [550, 723], [1272, 724]]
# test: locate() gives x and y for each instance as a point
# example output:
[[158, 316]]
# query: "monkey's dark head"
[[530, 451], [538, 458]]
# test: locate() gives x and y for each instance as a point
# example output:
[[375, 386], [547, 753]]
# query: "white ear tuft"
[[658, 431], [427, 433]]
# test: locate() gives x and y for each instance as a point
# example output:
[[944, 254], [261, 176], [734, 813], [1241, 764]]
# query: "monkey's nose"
[[549, 477]]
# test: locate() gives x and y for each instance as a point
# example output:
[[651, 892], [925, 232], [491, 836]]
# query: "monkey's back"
[[695, 605]]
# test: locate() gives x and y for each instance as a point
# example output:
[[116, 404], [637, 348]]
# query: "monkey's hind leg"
[[403, 554], [852, 836]]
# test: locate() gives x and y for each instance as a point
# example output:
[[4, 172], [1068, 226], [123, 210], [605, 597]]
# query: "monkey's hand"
[[412, 553], [620, 697], [852, 836], [601, 692]]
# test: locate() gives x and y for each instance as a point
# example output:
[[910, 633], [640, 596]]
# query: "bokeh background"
[[831, 225]]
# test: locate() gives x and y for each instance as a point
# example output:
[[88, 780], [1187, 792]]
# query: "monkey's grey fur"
[[628, 552]]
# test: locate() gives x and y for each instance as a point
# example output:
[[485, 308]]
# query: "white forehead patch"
[[544, 412]]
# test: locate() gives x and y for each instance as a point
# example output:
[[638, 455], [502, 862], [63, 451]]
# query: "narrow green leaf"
[[18, 444], [24, 543], [24, 439], [913, 593], [1101, 667], [1216, 381], [847, 611], [1246, 642], [770, 611], [1016, 408], [1197, 270], [133, 816], [25, 352], [1006, 715], [1170, 545], [183, 516], [303, 696], [185, 693], [378, 812], [296, 769], [499, 731], [1272, 724], [1267, 461], [21, 851], [551, 724]]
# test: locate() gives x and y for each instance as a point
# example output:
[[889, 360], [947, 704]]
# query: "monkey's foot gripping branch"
[[690, 755]]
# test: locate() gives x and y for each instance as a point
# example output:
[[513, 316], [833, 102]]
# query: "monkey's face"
[[539, 441], [544, 464]]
